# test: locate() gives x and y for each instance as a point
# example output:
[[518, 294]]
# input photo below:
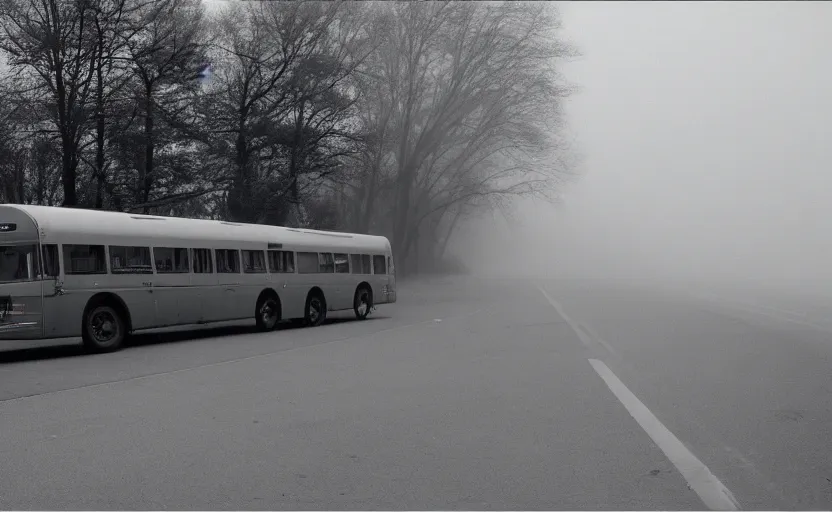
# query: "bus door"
[[58, 318], [21, 301]]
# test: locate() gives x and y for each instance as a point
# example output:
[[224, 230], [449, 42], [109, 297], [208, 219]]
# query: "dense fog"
[[703, 132], [694, 134]]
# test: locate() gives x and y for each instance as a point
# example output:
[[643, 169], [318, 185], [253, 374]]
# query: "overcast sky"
[[705, 132]]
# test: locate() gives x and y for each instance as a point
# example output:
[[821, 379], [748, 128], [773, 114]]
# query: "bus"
[[101, 275]]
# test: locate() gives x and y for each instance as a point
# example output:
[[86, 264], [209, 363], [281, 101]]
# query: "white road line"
[[586, 336], [598, 338], [710, 490]]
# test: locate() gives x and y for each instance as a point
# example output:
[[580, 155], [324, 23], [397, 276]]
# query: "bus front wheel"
[[104, 328], [362, 303], [315, 309], [268, 313]]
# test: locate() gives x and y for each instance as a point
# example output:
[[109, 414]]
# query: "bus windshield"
[[18, 263]]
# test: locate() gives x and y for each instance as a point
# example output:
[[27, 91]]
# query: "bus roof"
[[83, 224]]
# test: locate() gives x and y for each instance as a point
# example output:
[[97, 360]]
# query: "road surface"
[[467, 394]]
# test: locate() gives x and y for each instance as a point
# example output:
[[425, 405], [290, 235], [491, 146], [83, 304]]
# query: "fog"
[[703, 129]]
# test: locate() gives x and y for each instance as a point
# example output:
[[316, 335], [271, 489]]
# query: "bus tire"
[[362, 303], [104, 328], [267, 313], [315, 311]]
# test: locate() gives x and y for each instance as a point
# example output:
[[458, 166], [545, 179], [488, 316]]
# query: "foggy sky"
[[704, 133]]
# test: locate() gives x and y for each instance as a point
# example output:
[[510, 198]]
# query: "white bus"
[[103, 275]]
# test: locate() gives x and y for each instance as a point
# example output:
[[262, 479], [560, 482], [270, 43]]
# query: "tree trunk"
[[415, 256], [99, 131], [146, 176], [21, 184], [369, 200], [237, 209], [357, 211], [404, 180], [401, 211], [68, 175], [68, 167], [40, 192], [296, 155], [444, 245], [236, 200]]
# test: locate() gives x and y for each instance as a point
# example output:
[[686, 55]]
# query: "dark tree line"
[[400, 119]]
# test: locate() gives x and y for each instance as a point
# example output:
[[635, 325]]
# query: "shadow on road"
[[41, 353], [70, 349]]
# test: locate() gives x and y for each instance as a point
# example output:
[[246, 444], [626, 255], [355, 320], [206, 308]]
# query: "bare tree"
[[110, 32], [280, 94], [371, 167], [255, 59], [49, 46], [165, 51], [12, 150], [402, 119], [474, 95], [325, 93], [29, 160]]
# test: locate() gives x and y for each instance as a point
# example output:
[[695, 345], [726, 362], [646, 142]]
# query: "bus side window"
[[326, 263], [288, 262], [228, 261], [170, 260], [342, 264], [308, 262], [84, 259], [355, 263], [281, 262], [202, 261], [274, 261], [130, 260], [254, 262], [19, 263], [51, 264], [379, 264]]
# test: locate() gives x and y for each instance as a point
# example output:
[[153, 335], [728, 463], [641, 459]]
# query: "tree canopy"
[[400, 118]]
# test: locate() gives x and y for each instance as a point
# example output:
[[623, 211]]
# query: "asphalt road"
[[467, 394]]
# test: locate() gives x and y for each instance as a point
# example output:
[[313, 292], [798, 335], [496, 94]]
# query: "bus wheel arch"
[[268, 310], [363, 300], [315, 308], [109, 310]]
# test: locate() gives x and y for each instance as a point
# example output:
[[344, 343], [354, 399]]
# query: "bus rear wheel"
[[104, 328], [268, 313], [362, 303], [315, 309]]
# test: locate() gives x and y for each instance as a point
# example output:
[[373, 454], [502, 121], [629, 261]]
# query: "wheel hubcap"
[[314, 310], [363, 305], [103, 326], [268, 313]]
